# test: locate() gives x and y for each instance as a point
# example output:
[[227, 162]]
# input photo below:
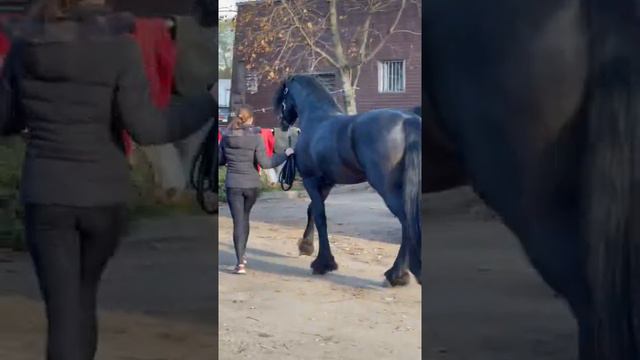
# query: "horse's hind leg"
[[305, 245], [324, 262], [415, 261], [398, 274]]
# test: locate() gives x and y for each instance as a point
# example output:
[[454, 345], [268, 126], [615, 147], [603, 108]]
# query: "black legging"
[[70, 248], [240, 203]]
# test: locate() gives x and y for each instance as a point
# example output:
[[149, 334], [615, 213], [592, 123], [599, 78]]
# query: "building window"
[[252, 82], [391, 76]]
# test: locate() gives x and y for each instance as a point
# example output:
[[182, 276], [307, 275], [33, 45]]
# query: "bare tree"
[[287, 36], [226, 30]]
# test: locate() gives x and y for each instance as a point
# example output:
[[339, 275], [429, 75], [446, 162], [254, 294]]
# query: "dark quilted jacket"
[[74, 85], [242, 150]]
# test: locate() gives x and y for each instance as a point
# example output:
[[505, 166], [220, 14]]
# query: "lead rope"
[[288, 173], [204, 170]]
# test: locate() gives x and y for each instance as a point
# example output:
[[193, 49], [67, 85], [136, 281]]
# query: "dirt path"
[[158, 299], [280, 311], [483, 301]]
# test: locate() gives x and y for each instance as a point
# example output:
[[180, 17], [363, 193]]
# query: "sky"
[[227, 7]]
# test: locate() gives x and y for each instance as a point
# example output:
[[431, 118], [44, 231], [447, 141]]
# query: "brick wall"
[[401, 46]]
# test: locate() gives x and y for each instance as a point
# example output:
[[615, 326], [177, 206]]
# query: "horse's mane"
[[318, 91], [279, 98]]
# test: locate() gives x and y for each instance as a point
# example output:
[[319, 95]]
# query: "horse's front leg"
[[324, 262], [305, 245]]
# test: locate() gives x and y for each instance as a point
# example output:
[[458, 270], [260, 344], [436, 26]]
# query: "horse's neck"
[[313, 116], [313, 109], [317, 102]]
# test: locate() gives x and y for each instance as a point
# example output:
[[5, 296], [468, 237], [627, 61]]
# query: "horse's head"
[[284, 105]]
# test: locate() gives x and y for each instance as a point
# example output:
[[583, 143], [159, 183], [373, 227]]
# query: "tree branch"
[[307, 38], [392, 30]]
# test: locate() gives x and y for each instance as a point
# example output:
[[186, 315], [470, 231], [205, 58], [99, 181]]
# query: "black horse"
[[381, 147], [542, 101], [444, 170]]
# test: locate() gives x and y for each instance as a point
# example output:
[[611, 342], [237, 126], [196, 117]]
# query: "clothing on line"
[[159, 58]]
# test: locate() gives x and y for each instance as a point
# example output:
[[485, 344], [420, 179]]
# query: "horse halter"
[[284, 102]]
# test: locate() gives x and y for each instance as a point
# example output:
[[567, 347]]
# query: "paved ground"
[[482, 299], [280, 311], [158, 299]]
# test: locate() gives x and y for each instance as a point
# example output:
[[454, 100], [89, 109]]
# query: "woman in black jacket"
[[242, 149], [74, 80]]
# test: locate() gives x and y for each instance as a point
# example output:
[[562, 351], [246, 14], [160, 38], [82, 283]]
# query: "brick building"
[[392, 80]]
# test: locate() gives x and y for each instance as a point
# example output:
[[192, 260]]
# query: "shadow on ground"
[[228, 260], [482, 300], [166, 269], [364, 204]]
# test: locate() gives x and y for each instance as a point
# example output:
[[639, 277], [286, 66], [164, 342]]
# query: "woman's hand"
[[289, 151]]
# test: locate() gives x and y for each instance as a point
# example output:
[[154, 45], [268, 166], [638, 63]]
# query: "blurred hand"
[[289, 151]]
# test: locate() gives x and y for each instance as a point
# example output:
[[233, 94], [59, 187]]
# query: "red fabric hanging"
[[5, 44], [159, 57], [269, 141]]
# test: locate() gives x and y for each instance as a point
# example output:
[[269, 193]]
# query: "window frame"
[[384, 64]]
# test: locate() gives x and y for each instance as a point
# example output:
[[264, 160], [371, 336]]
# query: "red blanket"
[[159, 57], [5, 45], [269, 141]]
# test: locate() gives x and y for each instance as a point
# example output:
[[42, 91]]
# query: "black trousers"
[[70, 248], [241, 202]]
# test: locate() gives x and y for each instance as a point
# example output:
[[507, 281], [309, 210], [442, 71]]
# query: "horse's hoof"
[[394, 279], [305, 247], [322, 266]]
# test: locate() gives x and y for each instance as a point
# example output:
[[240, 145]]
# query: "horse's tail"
[[413, 180], [612, 188]]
